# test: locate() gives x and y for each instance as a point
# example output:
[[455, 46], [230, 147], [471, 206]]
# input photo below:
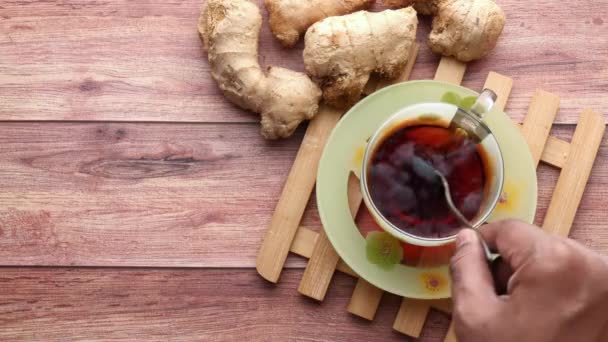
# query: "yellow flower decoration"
[[433, 281]]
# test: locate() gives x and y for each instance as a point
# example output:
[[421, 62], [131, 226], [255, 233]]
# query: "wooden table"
[[133, 197]]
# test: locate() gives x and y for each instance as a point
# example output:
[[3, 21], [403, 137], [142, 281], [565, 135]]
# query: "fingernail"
[[464, 236]]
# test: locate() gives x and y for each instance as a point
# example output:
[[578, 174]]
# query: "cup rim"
[[398, 232]]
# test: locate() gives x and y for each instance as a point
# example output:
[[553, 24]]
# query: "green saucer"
[[343, 155]]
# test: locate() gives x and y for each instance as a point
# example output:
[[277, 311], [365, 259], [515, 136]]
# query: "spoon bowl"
[[431, 174]]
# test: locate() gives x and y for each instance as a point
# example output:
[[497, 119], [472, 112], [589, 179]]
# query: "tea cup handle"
[[484, 103]]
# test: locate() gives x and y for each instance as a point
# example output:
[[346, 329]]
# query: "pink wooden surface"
[[142, 61], [156, 169]]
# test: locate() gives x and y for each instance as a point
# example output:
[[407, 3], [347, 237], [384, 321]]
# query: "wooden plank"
[[556, 152], [538, 122], [450, 70], [501, 85], [575, 173], [181, 305], [324, 259], [303, 246], [411, 316], [451, 335], [304, 242], [155, 195], [365, 300], [143, 61], [443, 305], [296, 192], [113, 61], [121, 194]]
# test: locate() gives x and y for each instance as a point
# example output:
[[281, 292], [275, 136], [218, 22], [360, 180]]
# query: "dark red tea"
[[409, 199]]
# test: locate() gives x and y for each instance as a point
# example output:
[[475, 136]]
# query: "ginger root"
[[290, 18], [342, 52], [425, 7], [465, 29], [230, 32]]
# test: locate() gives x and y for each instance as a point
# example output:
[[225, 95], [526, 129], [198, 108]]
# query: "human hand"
[[555, 290]]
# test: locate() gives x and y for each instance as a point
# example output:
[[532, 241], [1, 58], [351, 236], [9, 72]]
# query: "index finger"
[[514, 240]]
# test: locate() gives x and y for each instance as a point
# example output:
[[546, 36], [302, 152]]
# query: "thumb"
[[472, 282]]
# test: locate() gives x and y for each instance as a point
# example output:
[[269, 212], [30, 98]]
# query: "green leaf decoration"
[[468, 102], [383, 250], [451, 98]]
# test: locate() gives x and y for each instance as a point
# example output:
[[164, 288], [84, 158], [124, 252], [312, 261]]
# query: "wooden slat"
[[125, 194], [323, 261], [538, 122], [501, 85], [180, 305], [556, 152], [296, 192], [303, 246], [304, 242], [450, 70], [143, 61], [411, 316], [451, 335], [365, 300], [575, 173], [443, 305]]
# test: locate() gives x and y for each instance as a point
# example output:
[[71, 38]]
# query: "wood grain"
[[304, 244], [451, 335], [142, 61], [91, 194], [501, 85], [295, 195], [183, 305], [411, 316], [556, 152], [573, 178], [164, 195], [201, 195], [538, 122], [365, 300], [324, 259], [450, 70]]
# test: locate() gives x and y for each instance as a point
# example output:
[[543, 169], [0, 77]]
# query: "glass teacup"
[[425, 250]]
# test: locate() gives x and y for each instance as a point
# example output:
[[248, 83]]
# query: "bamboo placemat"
[[574, 159]]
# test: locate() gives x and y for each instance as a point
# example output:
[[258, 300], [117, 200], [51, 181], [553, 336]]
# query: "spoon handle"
[[490, 257]]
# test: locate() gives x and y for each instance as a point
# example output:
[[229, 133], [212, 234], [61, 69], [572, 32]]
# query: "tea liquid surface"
[[407, 198]]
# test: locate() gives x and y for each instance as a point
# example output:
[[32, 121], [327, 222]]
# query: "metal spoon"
[[427, 171]]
